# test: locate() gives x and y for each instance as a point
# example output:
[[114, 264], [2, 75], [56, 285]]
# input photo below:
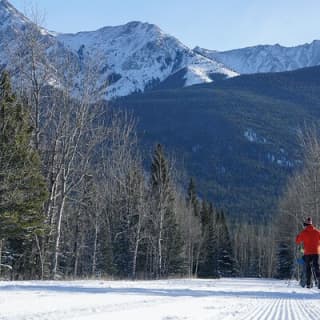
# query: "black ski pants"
[[312, 261]]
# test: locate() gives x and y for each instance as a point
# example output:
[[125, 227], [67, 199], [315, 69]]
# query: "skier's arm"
[[299, 238]]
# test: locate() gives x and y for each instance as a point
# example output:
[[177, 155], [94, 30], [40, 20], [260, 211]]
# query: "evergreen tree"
[[227, 265], [121, 254], [192, 198], [167, 234], [22, 187], [285, 260], [209, 263]]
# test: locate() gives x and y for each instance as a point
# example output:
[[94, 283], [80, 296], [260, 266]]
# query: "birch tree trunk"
[[1, 243], [95, 243]]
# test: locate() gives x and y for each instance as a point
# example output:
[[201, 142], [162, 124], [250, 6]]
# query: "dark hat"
[[308, 221]]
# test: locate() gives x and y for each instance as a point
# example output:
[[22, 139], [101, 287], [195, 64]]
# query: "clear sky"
[[211, 24]]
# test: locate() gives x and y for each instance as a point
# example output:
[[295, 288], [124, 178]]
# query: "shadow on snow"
[[165, 292]]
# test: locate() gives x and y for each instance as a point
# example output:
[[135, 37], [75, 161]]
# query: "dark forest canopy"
[[237, 137]]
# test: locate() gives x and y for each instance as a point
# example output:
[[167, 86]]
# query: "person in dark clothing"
[[310, 237]]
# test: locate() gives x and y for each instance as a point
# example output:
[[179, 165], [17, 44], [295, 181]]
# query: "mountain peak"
[[139, 55], [131, 58], [135, 24], [267, 58]]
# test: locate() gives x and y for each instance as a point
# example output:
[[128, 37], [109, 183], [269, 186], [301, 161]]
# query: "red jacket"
[[310, 237]]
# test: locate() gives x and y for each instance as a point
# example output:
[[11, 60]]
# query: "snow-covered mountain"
[[19, 36], [131, 58], [12, 23], [267, 58], [138, 55]]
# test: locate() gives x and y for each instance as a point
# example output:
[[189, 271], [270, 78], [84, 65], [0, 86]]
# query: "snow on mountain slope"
[[228, 299], [14, 26], [200, 70], [128, 58], [139, 55], [267, 58], [10, 17], [11, 24], [20, 39]]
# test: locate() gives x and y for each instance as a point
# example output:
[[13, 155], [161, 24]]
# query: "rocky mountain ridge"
[[138, 56], [129, 58], [267, 58]]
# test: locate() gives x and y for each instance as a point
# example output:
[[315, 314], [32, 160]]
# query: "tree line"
[[301, 199], [78, 201]]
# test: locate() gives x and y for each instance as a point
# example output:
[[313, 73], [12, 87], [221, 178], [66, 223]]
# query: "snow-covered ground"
[[243, 299]]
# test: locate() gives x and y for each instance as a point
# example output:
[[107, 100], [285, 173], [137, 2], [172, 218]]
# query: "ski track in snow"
[[83, 311], [184, 299]]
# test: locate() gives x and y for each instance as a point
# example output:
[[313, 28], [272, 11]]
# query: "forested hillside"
[[238, 138], [75, 200]]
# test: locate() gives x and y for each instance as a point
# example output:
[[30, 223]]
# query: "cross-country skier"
[[310, 237]]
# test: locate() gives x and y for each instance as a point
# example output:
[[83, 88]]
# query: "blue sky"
[[212, 24]]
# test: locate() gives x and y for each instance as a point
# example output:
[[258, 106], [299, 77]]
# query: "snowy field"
[[243, 299]]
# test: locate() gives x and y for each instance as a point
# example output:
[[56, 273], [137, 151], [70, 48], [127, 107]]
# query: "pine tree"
[[209, 263], [285, 260], [227, 264], [205, 215], [167, 235], [192, 198], [22, 187]]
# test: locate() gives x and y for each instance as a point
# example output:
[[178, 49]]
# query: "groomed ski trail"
[[185, 299]]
